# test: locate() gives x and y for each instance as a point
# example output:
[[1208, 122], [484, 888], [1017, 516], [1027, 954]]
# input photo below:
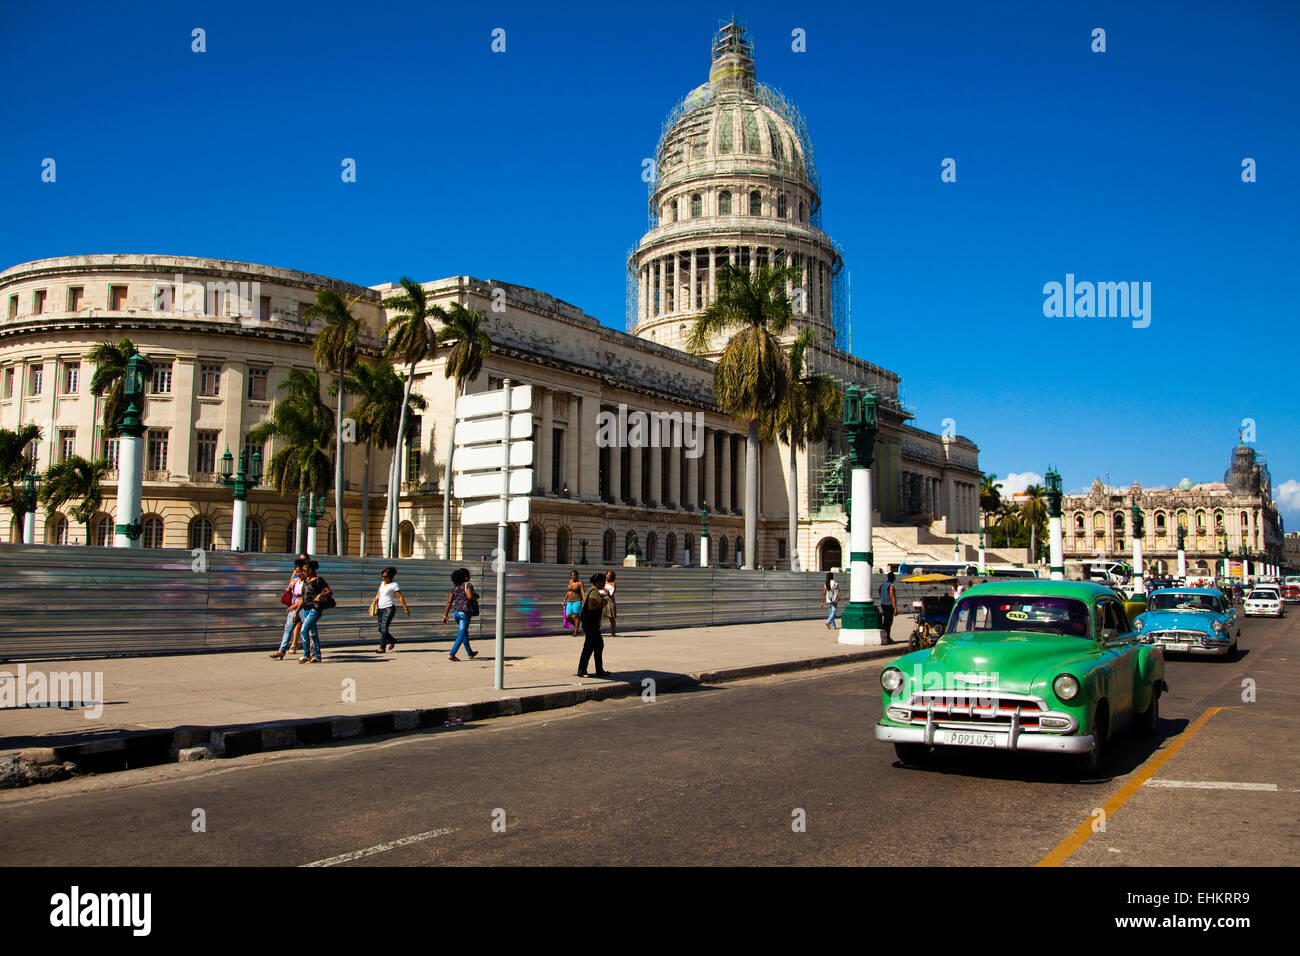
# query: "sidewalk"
[[159, 709]]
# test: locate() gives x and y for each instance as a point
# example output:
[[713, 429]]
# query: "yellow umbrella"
[[930, 579]]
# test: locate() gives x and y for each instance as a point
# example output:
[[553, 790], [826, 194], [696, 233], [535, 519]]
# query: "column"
[[588, 460], [861, 621], [710, 471], [950, 503], [616, 471], [713, 274], [724, 504], [659, 296], [1055, 547], [178, 451], [692, 480], [571, 440], [634, 476], [690, 305], [674, 476], [543, 457], [656, 473]]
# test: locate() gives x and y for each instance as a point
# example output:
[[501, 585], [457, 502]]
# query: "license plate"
[[1178, 647], [960, 739]]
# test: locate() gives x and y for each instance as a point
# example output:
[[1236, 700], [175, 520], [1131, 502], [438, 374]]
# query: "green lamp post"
[[1139, 576], [248, 476], [31, 488], [704, 534], [1182, 553], [862, 617], [311, 510], [1056, 542], [130, 480]]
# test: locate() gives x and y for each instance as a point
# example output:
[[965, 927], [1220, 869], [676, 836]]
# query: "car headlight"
[[1139, 624], [891, 678], [1066, 686], [1219, 626]]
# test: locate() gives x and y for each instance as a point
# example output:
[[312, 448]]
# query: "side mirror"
[[1109, 634]]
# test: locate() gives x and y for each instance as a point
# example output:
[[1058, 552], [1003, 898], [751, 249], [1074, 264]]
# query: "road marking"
[[1076, 839], [1210, 785], [381, 848]]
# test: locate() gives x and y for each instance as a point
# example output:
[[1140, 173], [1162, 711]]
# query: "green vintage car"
[[1049, 666]]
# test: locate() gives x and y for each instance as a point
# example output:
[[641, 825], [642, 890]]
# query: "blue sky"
[[525, 166]]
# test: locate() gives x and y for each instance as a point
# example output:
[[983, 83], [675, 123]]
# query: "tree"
[[75, 479], [990, 496], [411, 339], [336, 349], [14, 466], [109, 379], [463, 329], [378, 414], [1034, 511], [1008, 523], [811, 404], [753, 372], [303, 424]]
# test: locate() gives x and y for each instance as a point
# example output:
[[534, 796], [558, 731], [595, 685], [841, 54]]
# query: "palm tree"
[[463, 328], [336, 349], [806, 414], [303, 424], [14, 466], [109, 379], [1034, 510], [411, 339], [990, 496], [378, 415], [75, 479], [1008, 523], [753, 371]]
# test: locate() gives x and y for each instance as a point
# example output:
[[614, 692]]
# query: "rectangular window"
[[34, 379], [71, 376], [67, 443], [76, 296], [413, 457], [162, 378], [9, 382], [157, 459], [212, 302], [249, 448], [210, 380], [257, 384], [13, 307], [302, 312], [264, 308], [205, 462], [557, 459], [110, 452], [117, 298], [38, 302]]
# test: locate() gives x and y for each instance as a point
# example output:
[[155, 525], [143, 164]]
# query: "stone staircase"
[[894, 544]]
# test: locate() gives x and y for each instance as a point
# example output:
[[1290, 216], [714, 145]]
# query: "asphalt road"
[[716, 776]]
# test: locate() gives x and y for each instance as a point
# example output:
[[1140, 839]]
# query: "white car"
[[1264, 602]]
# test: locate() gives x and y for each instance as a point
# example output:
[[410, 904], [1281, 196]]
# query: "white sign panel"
[[486, 430], [488, 457], [489, 512], [488, 484], [494, 403]]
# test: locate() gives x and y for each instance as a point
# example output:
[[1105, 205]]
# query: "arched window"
[[674, 209], [332, 539], [253, 536], [688, 550], [103, 531], [1200, 522], [780, 206], [801, 216], [562, 546], [1117, 522], [607, 545], [724, 203], [1218, 521], [152, 535], [1099, 523], [201, 534], [756, 203], [721, 556], [405, 539], [740, 550], [778, 149], [627, 543], [651, 547], [726, 131], [1078, 523], [697, 206], [670, 549], [56, 530], [1160, 522], [536, 544]]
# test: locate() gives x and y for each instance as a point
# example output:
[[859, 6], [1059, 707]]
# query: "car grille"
[[1179, 637], [963, 708]]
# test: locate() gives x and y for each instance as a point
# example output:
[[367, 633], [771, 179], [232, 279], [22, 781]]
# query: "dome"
[[1185, 485]]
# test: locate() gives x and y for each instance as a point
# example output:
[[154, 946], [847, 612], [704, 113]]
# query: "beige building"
[[737, 184]]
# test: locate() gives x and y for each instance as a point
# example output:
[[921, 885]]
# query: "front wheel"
[[1145, 723], [1091, 764], [914, 755]]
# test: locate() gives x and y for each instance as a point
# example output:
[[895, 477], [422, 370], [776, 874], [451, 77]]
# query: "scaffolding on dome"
[[631, 295]]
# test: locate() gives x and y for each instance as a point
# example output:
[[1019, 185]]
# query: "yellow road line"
[[1076, 839]]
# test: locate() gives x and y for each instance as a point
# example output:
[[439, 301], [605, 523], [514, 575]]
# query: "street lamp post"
[[704, 534], [31, 483], [1139, 576], [981, 557], [1182, 553], [248, 476], [311, 512], [861, 622], [130, 474], [1056, 544]]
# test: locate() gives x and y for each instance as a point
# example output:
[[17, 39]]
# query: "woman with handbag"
[[317, 596], [292, 600], [462, 604], [383, 607]]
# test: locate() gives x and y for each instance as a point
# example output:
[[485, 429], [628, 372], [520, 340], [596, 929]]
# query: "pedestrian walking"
[[293, 619], [611, 609], [888, 605], [830, 598], [573, 597], [462, 600], [385, 603], [593, 610], [317, 597]]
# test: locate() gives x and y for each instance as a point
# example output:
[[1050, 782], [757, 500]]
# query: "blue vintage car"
[[1190, 621]]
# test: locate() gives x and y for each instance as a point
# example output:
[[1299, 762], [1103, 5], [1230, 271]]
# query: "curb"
[[187, 743]]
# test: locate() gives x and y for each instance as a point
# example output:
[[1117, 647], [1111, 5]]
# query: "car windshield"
[[1263, 594], [1042, 614], [1186, 602]]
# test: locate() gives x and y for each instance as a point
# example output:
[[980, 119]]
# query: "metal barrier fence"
[[60, 602]]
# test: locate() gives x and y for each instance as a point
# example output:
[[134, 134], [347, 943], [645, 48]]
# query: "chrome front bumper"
[[1002, 739]]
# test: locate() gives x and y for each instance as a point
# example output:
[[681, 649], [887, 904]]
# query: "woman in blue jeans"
[[462, 592], [317, 596]]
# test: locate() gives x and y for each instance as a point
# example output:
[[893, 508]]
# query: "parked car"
[[1046, 666], [1264, 601], [1199, 621], [1291, 593]]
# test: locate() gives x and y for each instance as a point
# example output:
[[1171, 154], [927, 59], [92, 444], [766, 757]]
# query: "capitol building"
[[737, 184]]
